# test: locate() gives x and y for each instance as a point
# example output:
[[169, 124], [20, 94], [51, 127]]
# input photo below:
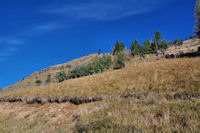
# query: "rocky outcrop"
[[190, 48]]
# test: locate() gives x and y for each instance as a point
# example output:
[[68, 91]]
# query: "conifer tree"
[[147, 46], [121, 46], [99, 51], [116, 47], [135, 48], [156, 39], [163, 45]]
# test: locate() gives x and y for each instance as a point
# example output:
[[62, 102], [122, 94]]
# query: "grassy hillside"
[[158, 96], [25, 118], [30, 81], [180, 75], [42, 75]]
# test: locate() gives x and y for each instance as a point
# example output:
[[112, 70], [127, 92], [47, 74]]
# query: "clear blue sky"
[[36, 32]]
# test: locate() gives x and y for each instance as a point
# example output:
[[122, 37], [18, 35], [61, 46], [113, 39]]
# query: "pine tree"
[[157, 36], [147, 46], [135, 48], [116, 47], [197, 19], [163, 45], [156, 39], [121, 46], [99, 51]]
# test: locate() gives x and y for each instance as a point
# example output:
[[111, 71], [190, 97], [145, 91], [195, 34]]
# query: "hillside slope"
[[155, 96], [42, 75], [174, 74], [189, 46], [160, 96]]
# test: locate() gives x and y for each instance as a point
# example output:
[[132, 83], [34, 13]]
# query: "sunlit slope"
[[165, 76], [42, 75], [29, 83], [25, 118], [159, 96]]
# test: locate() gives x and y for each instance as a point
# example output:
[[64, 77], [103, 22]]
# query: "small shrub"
[[98, 64], [62, 68], [108, 61], [38, 82], [69, 66], [61, 76], [80, 71], [180, 42], [119, 61], [48, 78]]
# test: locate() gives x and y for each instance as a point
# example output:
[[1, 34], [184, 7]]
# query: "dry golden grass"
[[182, 75], [169, 93], [24, 118], [167, 100], [151, 115]]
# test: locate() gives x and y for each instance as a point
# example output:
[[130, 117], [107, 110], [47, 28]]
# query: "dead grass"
[[152, 115], [20, 118], [29, 82], [166, 99], [174, 75]]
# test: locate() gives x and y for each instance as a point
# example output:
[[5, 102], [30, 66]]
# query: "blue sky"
[[36, 32]]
